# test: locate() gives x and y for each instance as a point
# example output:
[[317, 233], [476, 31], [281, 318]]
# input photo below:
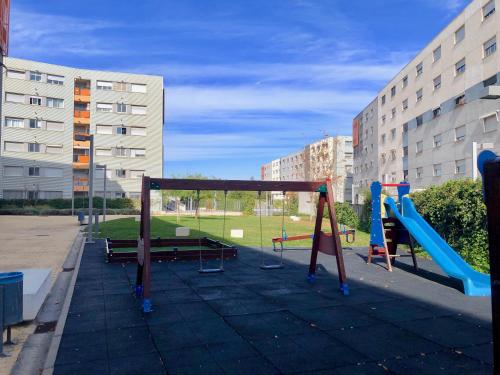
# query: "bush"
[[366, 212], [345, 215], [457, 212], [118, 203]]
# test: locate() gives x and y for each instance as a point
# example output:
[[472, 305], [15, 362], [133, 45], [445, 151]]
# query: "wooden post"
[[339, 257], [491, 184], [146, 237], [316, 237]]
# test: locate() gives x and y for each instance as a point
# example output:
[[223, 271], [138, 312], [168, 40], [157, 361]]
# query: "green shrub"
[[457, 212], [345, 215], [79, 203]]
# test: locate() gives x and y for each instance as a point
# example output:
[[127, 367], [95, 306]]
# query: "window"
[[393, 91], [55, 103], [419, 69], [393, 133], [382, 138], [54, 126], [35, 100], [383, 119], [16, 74], [121, 173], [404, 82], [460, 67], [383, 157], [13, 194], [121, 108], [405, 128], [34, 171], [104, 107], [490, 123], [419, 147], [138, 110], [33, 147], [460, 100], [437, 82], [405, 104], [121, 131], [420, 94], [13, 146], [120, 86], [121, 152], [35, 76], [52, 194], [383, 99], [51, 172], [35, 124], [393, 154], [104, 129], [104, 85], [460, 34], [103, 152], [54, 149], [14, 122], [119, 194], [137, 131], [436, 54], [490, 81], [420, 120], [436, 170], [488, 9], [438, 140], [136, 174], [490, 47], [393, 113], [137, 153], [420, 172], [11, 171], [405, 151], [436, 112], [55, 80], [33, 194], [460, 166], [135, 87], [14, 98], [460, 133]]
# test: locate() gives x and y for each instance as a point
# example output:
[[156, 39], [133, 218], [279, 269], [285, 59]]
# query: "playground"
[[316, 309]]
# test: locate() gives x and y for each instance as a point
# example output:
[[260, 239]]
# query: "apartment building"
[[443, 107], [365, 148], [46, 107], [330, 157]]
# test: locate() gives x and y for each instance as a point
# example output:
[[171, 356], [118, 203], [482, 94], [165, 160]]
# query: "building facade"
[[46, 107], [365, 150], [443, 107]]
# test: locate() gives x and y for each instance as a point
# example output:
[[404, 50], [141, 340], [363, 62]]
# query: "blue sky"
[[246, 81]]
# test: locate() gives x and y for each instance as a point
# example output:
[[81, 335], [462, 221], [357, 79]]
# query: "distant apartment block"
[[45, 106], [330, 157], [440, 110]]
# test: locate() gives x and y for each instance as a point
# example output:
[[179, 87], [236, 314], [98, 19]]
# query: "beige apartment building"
[[46, 106], [443, 107]]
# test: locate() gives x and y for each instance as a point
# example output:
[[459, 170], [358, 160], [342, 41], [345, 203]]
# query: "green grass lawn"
[[211, 226]]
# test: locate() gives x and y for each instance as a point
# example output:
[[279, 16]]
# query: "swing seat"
[[271, 267], [211, 270]]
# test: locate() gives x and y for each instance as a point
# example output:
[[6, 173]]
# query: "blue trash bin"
[[11, 301], [81, 217]]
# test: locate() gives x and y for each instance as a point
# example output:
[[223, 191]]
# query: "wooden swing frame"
[[330, 245]]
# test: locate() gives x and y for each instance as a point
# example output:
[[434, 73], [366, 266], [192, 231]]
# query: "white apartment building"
[[292, 167], [443, 107], [45, 106]]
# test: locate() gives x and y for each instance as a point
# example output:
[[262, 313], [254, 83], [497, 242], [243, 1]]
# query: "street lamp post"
[[81, 137], [103, 167]]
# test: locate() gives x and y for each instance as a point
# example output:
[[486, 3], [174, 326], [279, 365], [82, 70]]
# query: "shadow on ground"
[[251, 321]]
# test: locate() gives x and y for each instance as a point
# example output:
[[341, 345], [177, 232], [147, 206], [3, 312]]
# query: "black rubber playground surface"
[[253, 321]]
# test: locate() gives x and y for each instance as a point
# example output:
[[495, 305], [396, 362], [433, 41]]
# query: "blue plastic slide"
[[475, 283]]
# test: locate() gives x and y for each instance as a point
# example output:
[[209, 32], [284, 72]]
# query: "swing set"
[[329, 245]]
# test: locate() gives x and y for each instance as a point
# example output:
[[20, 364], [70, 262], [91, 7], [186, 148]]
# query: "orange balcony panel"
[[77, 165], [82, 98], [81, 144], [81, 121], [80, 188], [82, 114], [83, 135], [82, 91]]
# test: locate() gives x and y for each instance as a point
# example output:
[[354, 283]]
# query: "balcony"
[[82, 94], [81, 117], [81, 161], [81, 144], [80, 184]]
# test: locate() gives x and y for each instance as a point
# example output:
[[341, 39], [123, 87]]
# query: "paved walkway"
[[250, 321], [32, 242]]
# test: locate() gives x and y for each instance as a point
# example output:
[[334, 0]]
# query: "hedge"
[[118, 203], [457, 212], [345, 215]]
